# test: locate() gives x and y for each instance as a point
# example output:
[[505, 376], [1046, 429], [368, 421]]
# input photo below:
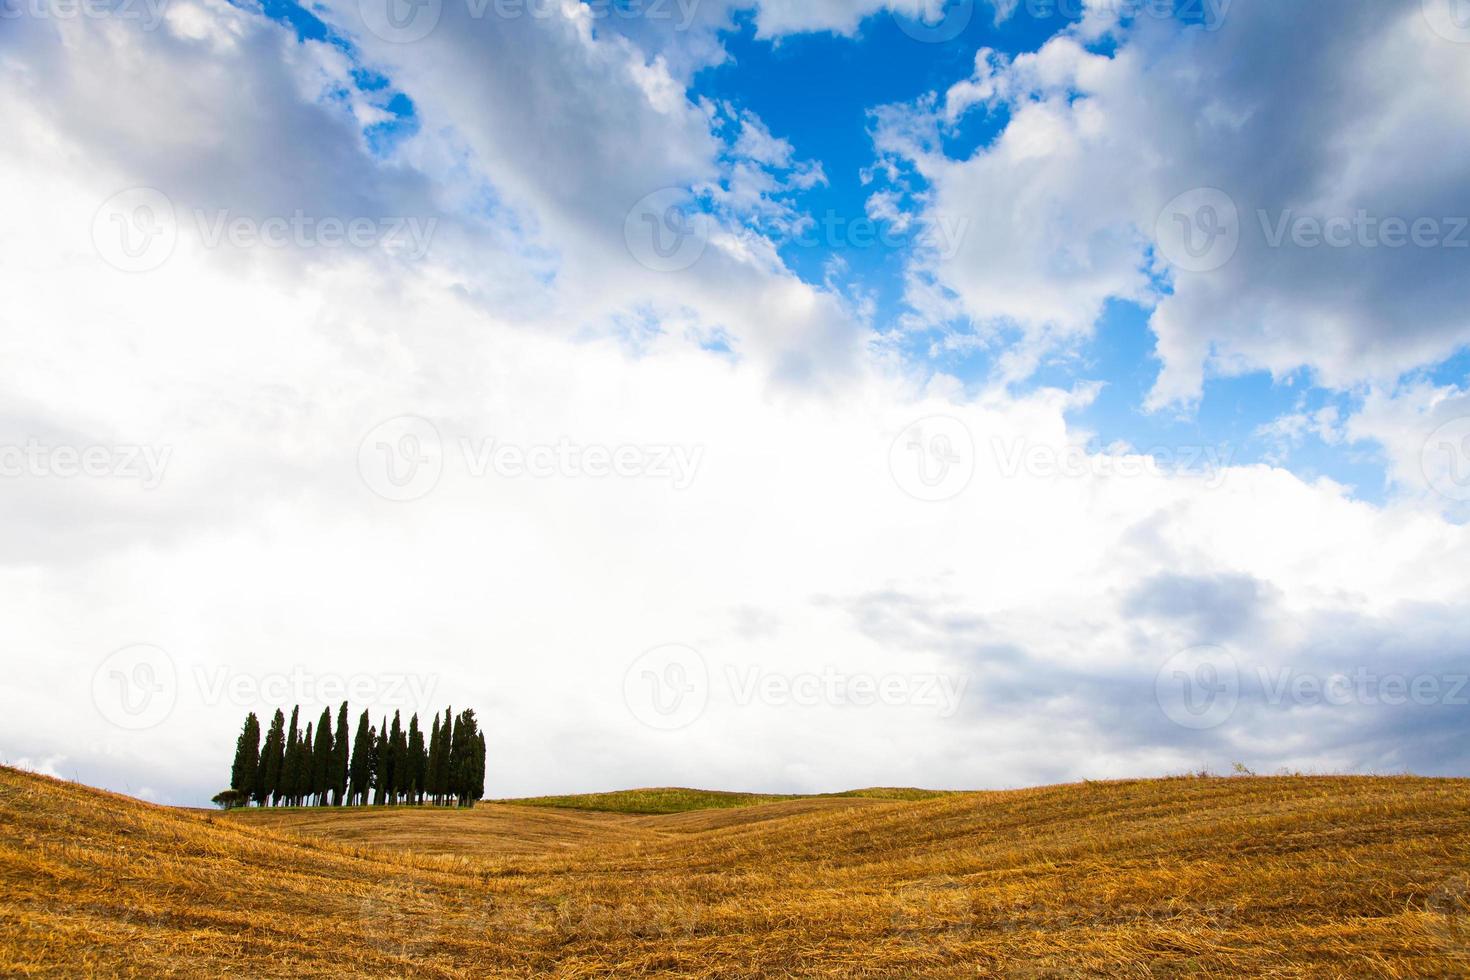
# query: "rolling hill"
[[1228, 877]]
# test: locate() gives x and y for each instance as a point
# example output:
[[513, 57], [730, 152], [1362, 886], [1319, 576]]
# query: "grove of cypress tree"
[[246, 768], [399, 766]]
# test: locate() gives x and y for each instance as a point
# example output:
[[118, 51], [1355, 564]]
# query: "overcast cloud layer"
[[674, 514]]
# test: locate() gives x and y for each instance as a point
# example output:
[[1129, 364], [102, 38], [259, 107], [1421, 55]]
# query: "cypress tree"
[[457, 753], [398, 752], [446, 745], [374, 762], [360, 770], [271, 759], [477, 778], [472, 784], [291, 768], [340, 757], [304, 769], [321, 757], [417, 764], [383, 771], [246, 769], [431, 764]]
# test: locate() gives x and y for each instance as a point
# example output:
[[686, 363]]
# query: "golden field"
[[1280, 877]]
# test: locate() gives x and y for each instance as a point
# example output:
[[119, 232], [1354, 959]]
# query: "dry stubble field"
[[1197, 876]]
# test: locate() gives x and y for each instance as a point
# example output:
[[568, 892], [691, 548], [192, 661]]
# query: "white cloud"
[[1289, 113]]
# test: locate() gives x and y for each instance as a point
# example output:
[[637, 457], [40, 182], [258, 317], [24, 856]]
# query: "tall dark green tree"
[[476, 786], [322, 754], [360, 769], [431, 774], [246, 768], [272, 755], [304, 769], [467, 760], [291, 767], [446, 743], [398, 752], [340, 758], [418, 763], [383, 769]]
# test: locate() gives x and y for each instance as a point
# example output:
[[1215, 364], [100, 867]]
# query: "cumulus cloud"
[[1279, 121]]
